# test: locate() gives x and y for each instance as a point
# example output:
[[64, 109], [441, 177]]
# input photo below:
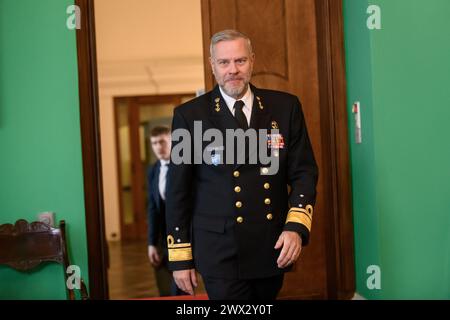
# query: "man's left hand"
[[292, 246]]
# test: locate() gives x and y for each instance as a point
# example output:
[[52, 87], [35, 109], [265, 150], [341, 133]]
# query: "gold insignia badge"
[[259, 102], [217, 100], [274, 125]]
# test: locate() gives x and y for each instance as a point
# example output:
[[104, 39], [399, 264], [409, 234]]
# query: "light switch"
[[356, 110]]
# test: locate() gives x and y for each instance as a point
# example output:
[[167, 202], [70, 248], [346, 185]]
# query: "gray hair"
[[228, 35]]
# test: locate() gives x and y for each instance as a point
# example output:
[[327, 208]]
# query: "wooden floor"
[[130, 274]]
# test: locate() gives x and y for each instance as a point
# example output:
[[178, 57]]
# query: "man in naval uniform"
[[236, 224]]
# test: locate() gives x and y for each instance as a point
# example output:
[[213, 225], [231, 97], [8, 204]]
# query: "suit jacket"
[[156, 209], [224, 219]]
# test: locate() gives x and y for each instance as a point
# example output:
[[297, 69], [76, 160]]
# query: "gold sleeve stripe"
[[299, 214], [178, 251], [301, 211], [308, 210], [297, 209], [299, 217], [171, 243], [178, 245], [180, 254]]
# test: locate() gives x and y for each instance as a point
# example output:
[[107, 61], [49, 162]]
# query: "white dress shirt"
[[247, 99], [162, 178]]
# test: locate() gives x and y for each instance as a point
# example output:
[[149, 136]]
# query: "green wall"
[[401, 173], [40, 163]]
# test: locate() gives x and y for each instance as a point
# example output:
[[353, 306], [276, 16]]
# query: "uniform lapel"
[[260, 118], [220, 115], [223, 119], [260, 114]]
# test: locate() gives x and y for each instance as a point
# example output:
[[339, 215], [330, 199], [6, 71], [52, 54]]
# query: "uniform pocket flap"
[[214, 224]]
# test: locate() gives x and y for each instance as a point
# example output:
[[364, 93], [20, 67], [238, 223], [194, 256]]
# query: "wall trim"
[[90, 139], [334, 121]]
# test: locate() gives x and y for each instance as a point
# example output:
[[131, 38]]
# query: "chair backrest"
[[24, 246]]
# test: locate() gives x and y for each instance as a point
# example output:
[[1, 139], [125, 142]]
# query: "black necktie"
[[239, 114]]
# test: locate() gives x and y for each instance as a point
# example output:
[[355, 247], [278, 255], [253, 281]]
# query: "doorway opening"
[[147, 66]]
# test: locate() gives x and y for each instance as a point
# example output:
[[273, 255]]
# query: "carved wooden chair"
[[24, 246]]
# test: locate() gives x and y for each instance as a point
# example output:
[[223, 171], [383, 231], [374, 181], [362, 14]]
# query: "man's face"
[[232, 66], [161, 146]]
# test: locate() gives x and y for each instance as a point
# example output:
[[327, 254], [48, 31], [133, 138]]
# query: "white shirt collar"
[[247, 98], [164, 161]]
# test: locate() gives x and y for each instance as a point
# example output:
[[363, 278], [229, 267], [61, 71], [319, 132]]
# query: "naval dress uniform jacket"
[[224, 219]]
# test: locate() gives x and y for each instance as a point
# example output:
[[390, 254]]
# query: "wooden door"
[[131, 176], [284, 35]]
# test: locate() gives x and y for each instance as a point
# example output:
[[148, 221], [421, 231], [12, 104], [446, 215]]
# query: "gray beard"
[[235, 93]]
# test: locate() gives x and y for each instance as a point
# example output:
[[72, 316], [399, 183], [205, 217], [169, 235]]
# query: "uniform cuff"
[[180, 254], [300, 229], [299, 220], [181, 265]]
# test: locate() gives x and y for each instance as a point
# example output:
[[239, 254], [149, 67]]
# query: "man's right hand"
[[186, 280], [153, 255]]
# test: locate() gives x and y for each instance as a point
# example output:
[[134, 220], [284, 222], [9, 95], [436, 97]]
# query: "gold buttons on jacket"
[[236, 174], [238, 204], [267, 201], [237, 189], [266, 185], [239, 219], [269, 216]]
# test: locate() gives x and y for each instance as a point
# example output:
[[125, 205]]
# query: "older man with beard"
[[237, 224]]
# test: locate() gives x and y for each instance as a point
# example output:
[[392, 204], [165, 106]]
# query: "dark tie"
[[239, 114], [162, 180]]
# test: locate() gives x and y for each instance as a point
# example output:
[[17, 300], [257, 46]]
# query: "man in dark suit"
[[156, 178], [237, 223]]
